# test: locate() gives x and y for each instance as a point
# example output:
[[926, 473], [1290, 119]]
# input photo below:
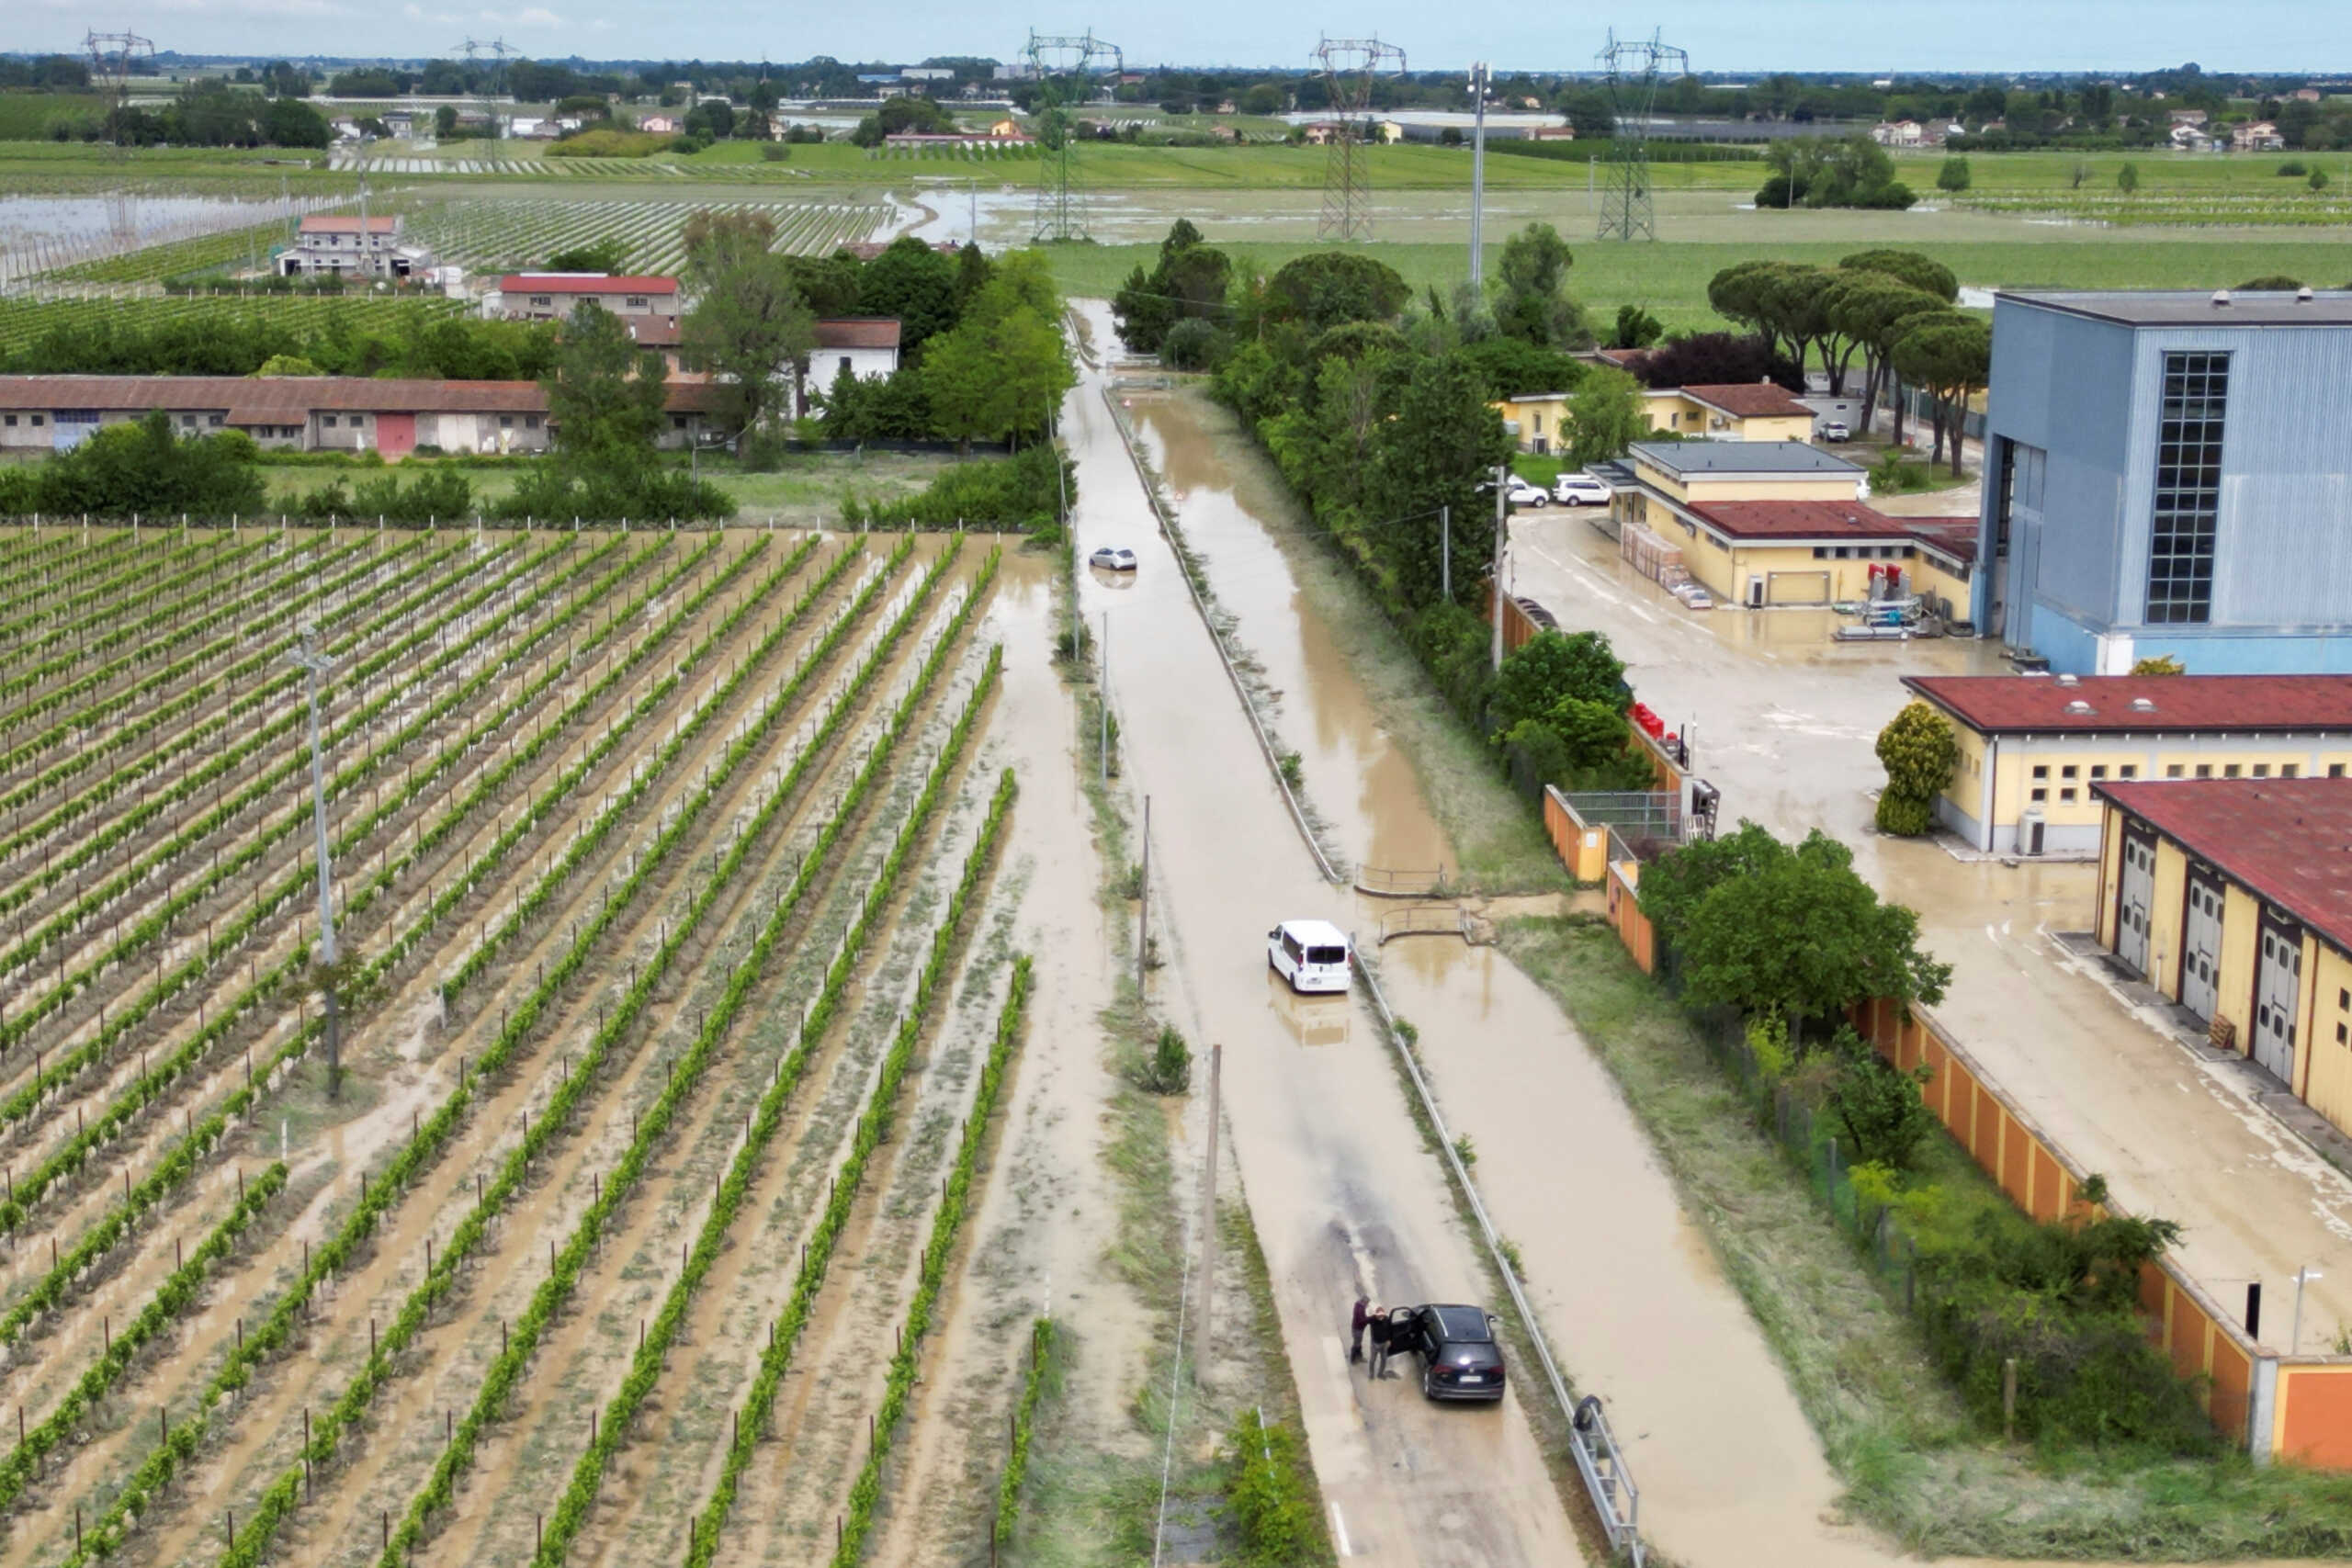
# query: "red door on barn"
[[396, 434]]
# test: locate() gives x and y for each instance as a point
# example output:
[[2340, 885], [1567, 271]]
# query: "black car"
[[1460, 1359]]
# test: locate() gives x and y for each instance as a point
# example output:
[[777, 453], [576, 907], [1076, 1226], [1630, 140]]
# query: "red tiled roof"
[[655, 331], [1749, 399], [278, 399], [2289, 840], [338, 223], [2211, 704], [1799, 520], [1955, 537], [858, 332], [584, 283]]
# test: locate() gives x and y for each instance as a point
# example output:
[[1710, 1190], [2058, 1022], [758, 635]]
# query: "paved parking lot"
[[1783, 722]]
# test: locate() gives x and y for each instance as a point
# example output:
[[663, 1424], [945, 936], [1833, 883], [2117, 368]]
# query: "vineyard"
[[495, 236], [24, 318], [670, 1049]]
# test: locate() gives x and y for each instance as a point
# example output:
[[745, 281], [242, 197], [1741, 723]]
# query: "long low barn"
[[310, 413]]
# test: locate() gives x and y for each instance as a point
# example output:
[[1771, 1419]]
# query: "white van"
[[1311, 955]]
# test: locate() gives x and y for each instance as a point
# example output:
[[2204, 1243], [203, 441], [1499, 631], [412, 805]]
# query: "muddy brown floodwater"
[[1624, 1283]]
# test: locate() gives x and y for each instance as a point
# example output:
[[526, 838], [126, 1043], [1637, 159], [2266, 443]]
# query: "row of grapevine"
[[70, 1155], [25, 320], [281, 1496], [866, 1491], [180, 1163], [503, 1376], [753, 1417]]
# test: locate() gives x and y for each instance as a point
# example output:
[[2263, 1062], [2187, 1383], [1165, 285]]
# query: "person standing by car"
[[1379, 1327], [1355, 1330]]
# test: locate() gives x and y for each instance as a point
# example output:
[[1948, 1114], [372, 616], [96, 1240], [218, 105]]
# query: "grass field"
[[28, 115]]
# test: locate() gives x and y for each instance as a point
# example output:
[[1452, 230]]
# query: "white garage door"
[[2201, 956], [2138, 892], [2278, 990]]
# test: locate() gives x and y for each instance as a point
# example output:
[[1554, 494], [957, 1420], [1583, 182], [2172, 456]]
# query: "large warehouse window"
[[2189, 486]]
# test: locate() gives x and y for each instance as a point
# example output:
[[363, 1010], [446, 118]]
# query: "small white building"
[[1897, 133], [866, 346], [345, 243], [2261, 136]]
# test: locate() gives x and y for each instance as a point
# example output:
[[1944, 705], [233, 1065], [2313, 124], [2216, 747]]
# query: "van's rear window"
[[1327, 955]]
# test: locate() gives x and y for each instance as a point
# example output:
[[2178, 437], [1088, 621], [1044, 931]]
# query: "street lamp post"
[[314, 664]]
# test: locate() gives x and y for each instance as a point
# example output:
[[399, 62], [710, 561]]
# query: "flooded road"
[[1360, 782], [1345, 1198], [1627, 1291]]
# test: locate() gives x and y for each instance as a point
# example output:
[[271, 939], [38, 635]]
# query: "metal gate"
[[2132, 910], [2277, 995], [1797, 588], [2201, 946]]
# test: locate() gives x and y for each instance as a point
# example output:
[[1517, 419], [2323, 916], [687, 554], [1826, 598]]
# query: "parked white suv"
[[1522, 493], [1581, 490], [1311, 955]]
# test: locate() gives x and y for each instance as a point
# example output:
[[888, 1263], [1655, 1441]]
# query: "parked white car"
[[1114, 558], [1522, 493], [1311, 955], [1581, 490]]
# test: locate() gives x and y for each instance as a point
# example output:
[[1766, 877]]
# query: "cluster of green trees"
[[1894, 308], [607, 401], [1921, 755], [139, 468], [1791, 939], [981, 349], [57, 72], [1378, 409], [208, 113], [225, 342], [906, 112], [1825, 170]]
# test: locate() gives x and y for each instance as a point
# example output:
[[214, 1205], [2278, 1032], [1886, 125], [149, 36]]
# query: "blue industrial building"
[[2170, 473]]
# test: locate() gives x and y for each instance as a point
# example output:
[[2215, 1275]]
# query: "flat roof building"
[[2169, 473], [2033, 749], [2233, 900]]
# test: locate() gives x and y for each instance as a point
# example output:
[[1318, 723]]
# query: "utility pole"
[[1102, 696], [1478, 178], [1502, 536], [1143, 925], [1208, 1231], [1445, 531], [315, 664]]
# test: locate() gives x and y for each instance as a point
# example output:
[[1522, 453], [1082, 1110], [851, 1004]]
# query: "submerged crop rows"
[[658, 860]]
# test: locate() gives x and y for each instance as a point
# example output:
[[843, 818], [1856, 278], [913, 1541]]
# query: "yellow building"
[[1536, 421], [2034, 748], [2234, 898], [1757, 411], [1762, 524]]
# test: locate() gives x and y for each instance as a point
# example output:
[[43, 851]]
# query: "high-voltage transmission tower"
[[1062, 66], [493, 85], [1633, 67], [111, 55], [1350, 64]]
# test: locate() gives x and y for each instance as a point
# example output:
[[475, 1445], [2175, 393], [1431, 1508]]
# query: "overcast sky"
[[1721, 35]]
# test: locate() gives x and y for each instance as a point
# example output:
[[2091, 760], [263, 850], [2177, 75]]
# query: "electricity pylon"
[[1062, 66], [110, 59], [1348, 66], [1633, 67]]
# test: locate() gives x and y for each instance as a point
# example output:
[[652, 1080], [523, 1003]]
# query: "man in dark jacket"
[[1355, 1330], [1379, 1327]]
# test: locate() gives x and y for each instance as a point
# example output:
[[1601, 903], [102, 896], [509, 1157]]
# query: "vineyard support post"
[[316, 663]]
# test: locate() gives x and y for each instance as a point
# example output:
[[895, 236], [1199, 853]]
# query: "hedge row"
[[505, 1373], [422, 1149], [181, 1162], [866, 1490], [751, 1420]]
